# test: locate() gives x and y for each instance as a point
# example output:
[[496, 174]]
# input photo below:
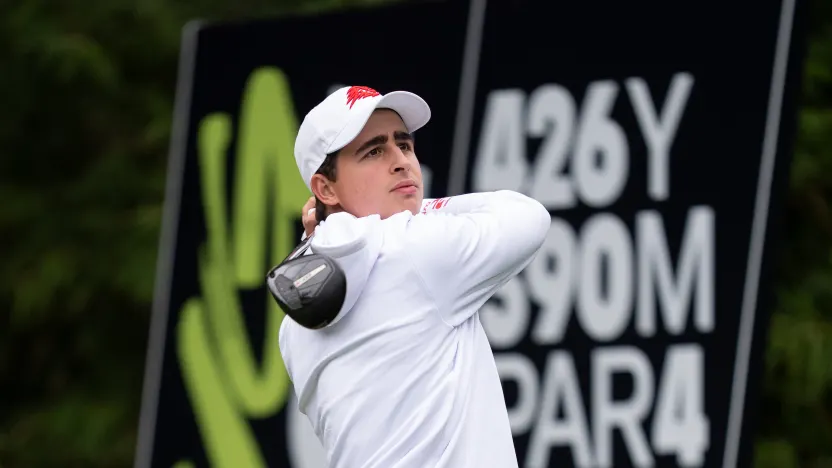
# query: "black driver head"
[[308, 288]]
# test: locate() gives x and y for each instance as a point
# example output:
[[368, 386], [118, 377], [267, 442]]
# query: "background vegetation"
[[87, 93]]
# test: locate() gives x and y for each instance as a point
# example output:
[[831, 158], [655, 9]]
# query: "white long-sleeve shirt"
[[405, 376]]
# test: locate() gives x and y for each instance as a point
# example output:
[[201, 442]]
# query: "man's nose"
[[400, 160]]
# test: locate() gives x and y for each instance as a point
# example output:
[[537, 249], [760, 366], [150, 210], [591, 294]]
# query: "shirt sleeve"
[[472, 244], [283, 345]]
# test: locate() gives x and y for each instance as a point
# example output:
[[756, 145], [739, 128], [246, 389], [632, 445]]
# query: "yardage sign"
[[658, 135], [653, 131]]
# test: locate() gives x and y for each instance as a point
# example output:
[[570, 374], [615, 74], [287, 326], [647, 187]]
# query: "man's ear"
[[322, 189]]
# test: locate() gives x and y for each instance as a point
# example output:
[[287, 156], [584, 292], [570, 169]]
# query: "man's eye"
[[404, 146], [374, 152]]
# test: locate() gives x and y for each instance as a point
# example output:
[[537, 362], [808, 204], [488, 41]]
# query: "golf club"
[[308, 288]]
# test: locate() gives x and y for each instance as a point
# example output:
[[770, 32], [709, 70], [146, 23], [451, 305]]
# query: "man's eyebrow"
[[376, 140], [381, 139], [403, 136]]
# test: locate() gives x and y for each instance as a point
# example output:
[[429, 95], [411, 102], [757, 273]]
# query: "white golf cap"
[[338, 119]]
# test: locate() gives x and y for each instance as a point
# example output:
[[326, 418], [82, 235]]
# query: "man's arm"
[[472, 245]]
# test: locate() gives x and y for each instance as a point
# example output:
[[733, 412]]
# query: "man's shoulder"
[[407, 234], [410, 222]]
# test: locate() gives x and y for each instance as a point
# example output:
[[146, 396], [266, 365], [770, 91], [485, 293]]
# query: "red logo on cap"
[[359, 92]]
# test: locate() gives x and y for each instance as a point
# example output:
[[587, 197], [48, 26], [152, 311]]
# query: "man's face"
[[378, 173]]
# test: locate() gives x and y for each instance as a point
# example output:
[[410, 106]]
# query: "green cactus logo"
[[225, 383]]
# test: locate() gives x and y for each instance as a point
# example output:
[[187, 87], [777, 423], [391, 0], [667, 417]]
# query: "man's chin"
[[414, 205]]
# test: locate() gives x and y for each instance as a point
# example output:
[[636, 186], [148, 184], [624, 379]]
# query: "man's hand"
[[308, 216]]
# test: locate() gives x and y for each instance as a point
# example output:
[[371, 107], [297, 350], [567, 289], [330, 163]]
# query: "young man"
[[404, 377]]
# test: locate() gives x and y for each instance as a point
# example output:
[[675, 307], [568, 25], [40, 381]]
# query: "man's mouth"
[[405, 187]]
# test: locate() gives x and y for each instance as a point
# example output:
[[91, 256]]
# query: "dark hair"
[[327, 170]]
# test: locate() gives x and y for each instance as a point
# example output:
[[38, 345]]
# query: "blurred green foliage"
[[796, 408], [87, 92]]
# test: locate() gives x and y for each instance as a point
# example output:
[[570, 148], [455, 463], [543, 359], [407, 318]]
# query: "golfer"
[[404, 377]]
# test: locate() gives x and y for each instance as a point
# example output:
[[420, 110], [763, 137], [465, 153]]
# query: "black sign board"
[[659, 136]]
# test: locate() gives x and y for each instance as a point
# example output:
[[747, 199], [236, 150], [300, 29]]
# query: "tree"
[[796, 408], [87, 92]]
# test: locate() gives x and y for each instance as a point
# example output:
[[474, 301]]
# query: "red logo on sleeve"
[[436, 204], [356, 93]]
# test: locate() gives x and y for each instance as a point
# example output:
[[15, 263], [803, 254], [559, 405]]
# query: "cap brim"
[[413, 110]]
